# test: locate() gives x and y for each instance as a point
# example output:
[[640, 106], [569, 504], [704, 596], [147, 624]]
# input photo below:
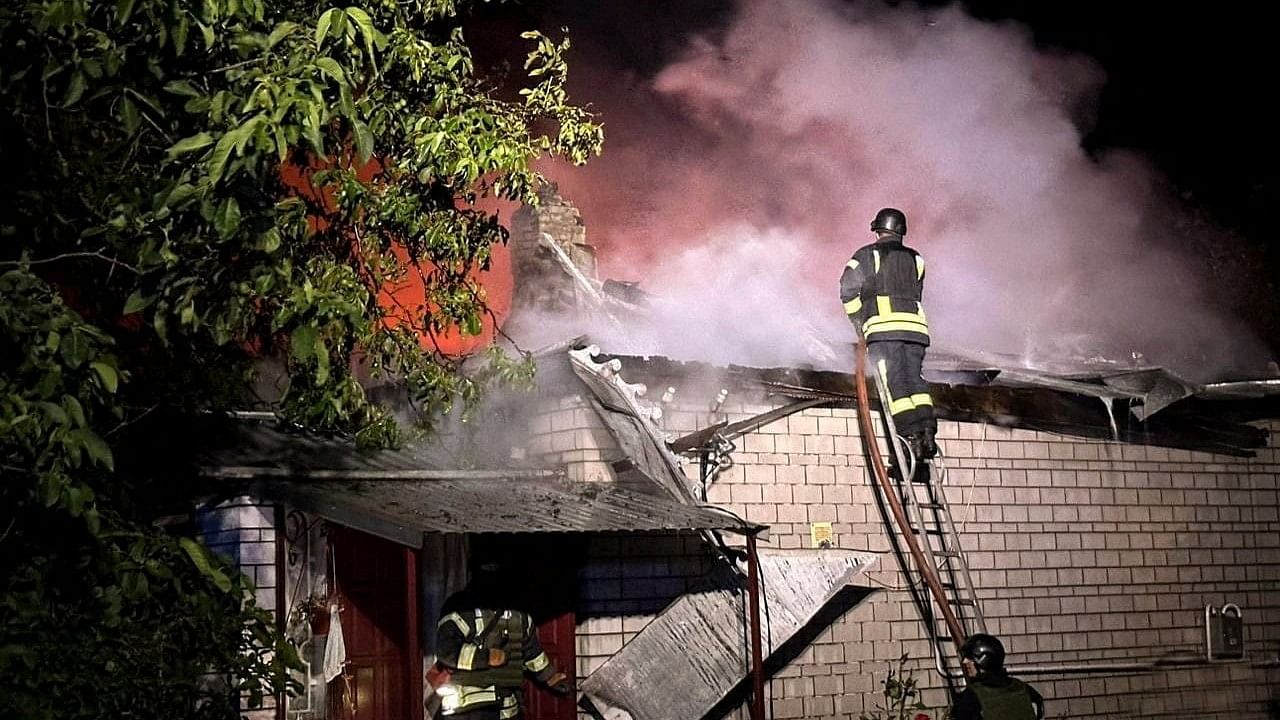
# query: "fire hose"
[[881, 473]]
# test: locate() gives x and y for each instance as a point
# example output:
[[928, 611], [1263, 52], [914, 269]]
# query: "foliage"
[[153, 257], [901, 696]]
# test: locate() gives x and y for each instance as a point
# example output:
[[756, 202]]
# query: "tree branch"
[[65, 256]]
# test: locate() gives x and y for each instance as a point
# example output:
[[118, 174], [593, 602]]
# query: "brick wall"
[[1082, 551], [243, 531]]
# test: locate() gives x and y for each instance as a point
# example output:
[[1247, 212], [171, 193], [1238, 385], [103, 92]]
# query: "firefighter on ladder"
[[483, 649], [881, 288]]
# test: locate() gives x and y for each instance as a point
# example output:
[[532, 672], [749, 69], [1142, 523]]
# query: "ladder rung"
[[947, 553], [965, 601], [928, 531], [932, 506]]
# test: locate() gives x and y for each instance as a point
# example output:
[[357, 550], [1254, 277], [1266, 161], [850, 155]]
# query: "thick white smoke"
[[739, 180]]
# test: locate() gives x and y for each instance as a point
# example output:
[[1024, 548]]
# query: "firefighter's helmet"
[[986, 652], [890, 220]]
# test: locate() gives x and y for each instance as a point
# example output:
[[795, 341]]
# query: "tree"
[[155, 259]]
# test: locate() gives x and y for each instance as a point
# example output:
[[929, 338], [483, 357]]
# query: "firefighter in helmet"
[[484, 647], [881, 288], [991, 693]]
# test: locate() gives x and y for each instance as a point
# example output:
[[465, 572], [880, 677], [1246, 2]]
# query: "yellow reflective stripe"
[[877, 321], [538, 664], [907, 317], [510, 707], [919, 267], [895, 327], [852, 264], [467, 657], [884, 306], [456, 619], [901, 405], [876, 255], [460, 697], [921, 399], [853, 306]]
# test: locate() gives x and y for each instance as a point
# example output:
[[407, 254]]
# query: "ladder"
[[931, 525]]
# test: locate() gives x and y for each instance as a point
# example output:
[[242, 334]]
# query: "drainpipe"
[[282, 581], [757, 657], [1114, 668]]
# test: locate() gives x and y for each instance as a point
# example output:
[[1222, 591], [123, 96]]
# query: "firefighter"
[[881, 289], [991, 693], [484, 647]]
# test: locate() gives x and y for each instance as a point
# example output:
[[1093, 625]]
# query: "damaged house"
[[696, 533]]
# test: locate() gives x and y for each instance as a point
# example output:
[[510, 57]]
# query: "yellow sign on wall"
[[820, 534]]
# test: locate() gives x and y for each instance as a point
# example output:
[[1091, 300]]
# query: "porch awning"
[[403, 510], [404, 493]]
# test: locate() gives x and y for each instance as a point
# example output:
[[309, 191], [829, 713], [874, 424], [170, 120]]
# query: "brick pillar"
[[243, 531], [540, 281]]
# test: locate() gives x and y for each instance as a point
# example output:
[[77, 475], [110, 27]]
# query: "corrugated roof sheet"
[[402, 510], [695, 651]]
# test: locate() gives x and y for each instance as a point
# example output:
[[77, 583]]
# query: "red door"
[[377, 582], [559, 640]]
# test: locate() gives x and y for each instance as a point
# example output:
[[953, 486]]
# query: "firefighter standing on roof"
[[881, 288], [484, 648]]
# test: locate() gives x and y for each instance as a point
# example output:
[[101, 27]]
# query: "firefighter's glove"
[[497, 657], [560, 684]]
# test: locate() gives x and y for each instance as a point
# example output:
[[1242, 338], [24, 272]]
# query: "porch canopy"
[[402, 494]]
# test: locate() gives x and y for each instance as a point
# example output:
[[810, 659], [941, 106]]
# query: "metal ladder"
[[932, 525]]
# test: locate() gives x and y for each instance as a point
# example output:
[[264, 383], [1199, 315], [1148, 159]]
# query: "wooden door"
[[377, 583], [558, 635]]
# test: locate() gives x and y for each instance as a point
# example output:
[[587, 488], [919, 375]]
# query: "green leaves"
[[75, 89], [107, 375], [190, 144], [324, 23], [330, 67], [200, 559], [136, 302], [87, 441], [364, 141], [227, 220], [239, 180], [280, 32]]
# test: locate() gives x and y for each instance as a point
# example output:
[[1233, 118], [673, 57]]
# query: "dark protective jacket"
[[998, 697], [881, 288], [465, 634]]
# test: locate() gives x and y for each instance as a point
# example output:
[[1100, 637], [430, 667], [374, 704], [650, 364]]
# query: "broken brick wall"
[[540, 282]]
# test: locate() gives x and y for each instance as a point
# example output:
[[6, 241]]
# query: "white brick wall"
[[1082, 550], [243, 531]]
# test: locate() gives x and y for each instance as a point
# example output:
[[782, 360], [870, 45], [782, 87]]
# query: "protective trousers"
[[909, 401]]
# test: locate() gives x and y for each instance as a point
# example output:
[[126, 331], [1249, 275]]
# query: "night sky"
[[1187, 86]]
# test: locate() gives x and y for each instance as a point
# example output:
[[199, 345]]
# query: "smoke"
[[738, 179]]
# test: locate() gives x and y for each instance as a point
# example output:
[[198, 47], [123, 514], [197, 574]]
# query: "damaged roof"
[[1141, 405], [402, 494], [403, 510]]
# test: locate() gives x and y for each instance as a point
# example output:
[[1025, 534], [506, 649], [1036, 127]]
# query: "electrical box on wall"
[[820, 534], [1223, 632]]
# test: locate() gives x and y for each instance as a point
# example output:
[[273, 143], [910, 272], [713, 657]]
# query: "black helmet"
[[985, 651], [890, 220]]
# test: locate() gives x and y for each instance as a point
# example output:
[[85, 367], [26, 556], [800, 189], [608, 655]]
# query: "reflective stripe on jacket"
[[881, 287]]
